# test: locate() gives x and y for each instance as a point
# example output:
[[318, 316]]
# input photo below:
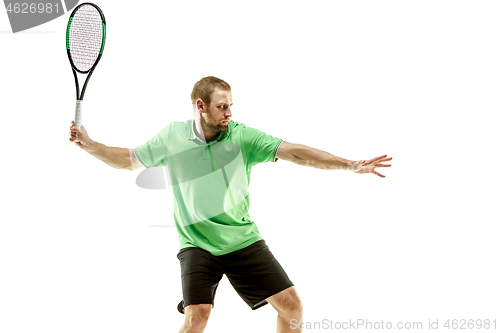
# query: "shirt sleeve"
[[260, 146], [154, 152]]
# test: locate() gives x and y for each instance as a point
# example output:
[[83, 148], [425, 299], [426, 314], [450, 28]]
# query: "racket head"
[[85, 37]]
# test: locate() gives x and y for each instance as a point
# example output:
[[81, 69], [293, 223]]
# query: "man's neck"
[[203, 133]]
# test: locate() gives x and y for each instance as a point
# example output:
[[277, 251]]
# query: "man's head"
[[204, 88], [212, 100]]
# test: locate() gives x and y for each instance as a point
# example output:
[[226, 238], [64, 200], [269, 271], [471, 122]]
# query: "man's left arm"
[[307, 156]]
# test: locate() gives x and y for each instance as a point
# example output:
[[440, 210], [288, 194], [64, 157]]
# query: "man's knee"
[[197, 316], [294, 306], [287, 302]]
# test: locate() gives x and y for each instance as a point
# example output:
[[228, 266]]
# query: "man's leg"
[[196, 318], [200, 275], [289, 306]]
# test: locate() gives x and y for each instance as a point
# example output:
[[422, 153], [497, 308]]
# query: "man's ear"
[[200, 105]]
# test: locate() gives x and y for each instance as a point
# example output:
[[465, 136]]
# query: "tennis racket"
[[85, 37]]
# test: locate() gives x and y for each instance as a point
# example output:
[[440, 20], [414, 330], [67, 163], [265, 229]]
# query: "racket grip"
[[78, 116]]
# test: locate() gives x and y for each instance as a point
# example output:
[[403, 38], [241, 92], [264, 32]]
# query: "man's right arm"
[[118, 158]]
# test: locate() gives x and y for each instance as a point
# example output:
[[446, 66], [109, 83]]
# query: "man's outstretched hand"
[[370, 165]]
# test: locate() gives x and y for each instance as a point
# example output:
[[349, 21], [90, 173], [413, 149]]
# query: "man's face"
[[218, 113]]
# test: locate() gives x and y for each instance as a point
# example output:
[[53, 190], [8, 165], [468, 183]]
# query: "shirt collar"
[[193, 137]]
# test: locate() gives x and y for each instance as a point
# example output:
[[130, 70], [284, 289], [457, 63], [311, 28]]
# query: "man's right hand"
[[83, 137]]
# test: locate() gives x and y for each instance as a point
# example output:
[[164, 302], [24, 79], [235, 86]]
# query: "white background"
[[417, 80]]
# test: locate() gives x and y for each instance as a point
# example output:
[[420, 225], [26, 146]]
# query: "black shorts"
[[253, 271]]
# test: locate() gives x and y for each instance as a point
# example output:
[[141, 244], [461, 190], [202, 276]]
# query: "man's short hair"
[[205, 87]]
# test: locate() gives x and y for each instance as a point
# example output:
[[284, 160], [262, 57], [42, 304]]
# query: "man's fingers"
[[382, 165], [379, 159], [378, 174], [375, 159]]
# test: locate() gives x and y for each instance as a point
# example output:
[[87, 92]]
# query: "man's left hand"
[[370, 165]]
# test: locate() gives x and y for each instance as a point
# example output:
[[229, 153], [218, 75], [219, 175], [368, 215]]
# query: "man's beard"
[[211, 128]]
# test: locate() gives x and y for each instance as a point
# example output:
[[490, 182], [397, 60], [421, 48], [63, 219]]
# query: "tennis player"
[[209, 161]]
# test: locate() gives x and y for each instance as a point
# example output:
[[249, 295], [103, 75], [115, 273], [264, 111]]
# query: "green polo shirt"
[[210, 182]]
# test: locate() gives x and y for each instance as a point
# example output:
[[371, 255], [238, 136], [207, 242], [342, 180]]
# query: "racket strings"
[[85, 37]]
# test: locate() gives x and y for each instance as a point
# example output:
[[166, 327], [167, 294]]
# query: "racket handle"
[[78, 116]]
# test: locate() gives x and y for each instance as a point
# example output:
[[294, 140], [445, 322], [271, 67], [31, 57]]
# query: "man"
[[209, 161]]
